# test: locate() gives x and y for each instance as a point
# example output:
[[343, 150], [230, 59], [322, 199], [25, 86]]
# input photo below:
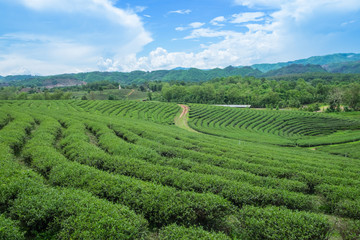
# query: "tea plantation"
[[123, 170]]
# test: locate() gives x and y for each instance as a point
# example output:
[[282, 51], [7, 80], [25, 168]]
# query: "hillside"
[[295, 69], [316, 60], [347, 67], [186, 75], [335, 63], [123, 170]]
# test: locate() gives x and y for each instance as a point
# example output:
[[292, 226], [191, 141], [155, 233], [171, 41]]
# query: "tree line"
[[265, 92]]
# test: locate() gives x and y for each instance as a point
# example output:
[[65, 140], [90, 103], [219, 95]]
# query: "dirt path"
[[131, 92], [182, 120]]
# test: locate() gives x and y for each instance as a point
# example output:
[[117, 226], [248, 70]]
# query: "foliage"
[[350, 229], [9, 229], [265, 92], [192, 233], [122, 170], [256, 224]]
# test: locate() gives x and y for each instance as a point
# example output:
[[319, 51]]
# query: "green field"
[[122, 94], [124, 170]]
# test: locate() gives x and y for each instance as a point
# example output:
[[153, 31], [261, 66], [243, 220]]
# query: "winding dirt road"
[[182, 120], [131, 92], [185, 110]]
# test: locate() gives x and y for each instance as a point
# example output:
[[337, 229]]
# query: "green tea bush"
[[9, 229], [350, 229], [191, 233], [280, 223], [159, 204], [237, 192], [73, 214], [348, 208]]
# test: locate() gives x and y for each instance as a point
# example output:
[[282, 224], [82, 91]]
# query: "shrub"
[[350, 229], [280, 223], [191, 233], [9, 229]]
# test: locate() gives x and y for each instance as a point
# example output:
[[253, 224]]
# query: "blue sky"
[[62, 36]]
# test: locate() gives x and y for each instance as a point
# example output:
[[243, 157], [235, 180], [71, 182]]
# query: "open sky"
[[63, 36]]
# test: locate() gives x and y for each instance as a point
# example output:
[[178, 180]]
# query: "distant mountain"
[[317, 60], [346, 67], [295, 69], [16, 78], [188, 75], [335, 63], [180, 68]]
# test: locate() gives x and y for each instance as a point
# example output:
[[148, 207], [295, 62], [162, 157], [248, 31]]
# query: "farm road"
[[182, 120]]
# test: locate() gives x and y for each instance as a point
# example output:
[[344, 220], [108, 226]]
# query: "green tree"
[[166, 92], [149, 95], [352, 96]]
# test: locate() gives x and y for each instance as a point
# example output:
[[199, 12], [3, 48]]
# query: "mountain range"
[[334, 63]]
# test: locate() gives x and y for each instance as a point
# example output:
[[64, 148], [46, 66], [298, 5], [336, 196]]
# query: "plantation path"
[[131, 92], [182, 120]]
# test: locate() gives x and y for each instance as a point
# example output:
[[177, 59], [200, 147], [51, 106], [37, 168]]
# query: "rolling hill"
[[335, 63]]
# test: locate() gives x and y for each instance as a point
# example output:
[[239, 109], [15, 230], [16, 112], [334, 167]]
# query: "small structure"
[[119, 87], [235, 106]]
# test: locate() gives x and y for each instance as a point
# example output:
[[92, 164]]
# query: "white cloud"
[[196, 24], [295, 29], [193, 25], [181, 28], [261, 3], [290, 29], [218, 21], [248, 17], [182, 11], [139, 9], [340, 5], [72, 46], [348, 22], [210, 33]]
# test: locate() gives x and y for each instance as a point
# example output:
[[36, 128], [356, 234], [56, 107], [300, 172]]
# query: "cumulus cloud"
[[271, 31], [218, 21], [294, 29], [66, 42]]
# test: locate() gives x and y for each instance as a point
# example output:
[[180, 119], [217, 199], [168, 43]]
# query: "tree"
[[166, 92], [92, 96], [149, 95], [352, 96], [335, 98]]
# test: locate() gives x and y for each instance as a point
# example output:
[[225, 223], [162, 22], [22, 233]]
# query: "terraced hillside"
[[275, 127], [122, 170]]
